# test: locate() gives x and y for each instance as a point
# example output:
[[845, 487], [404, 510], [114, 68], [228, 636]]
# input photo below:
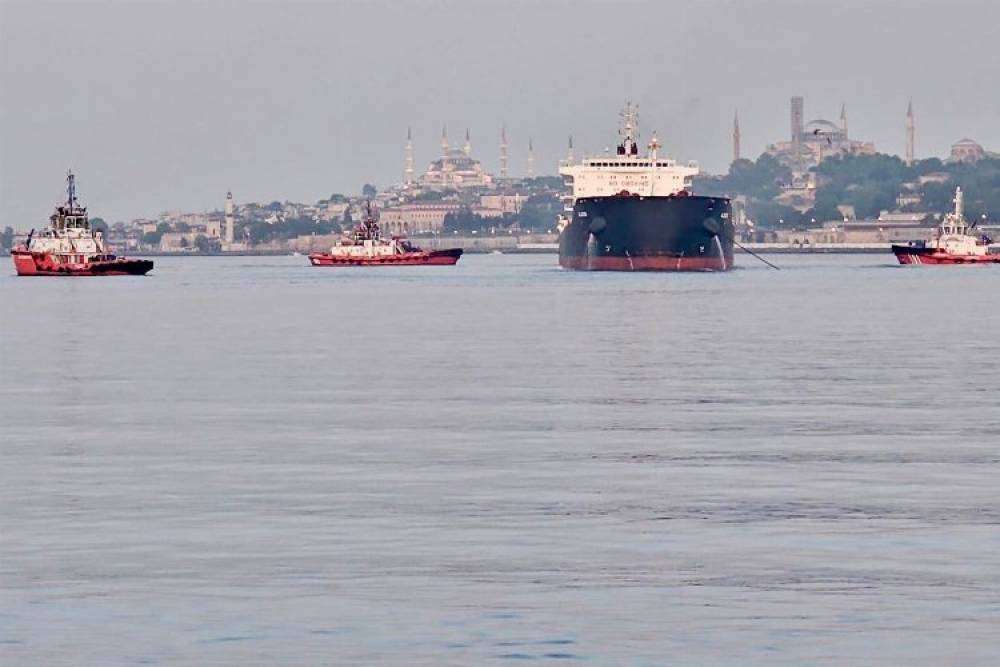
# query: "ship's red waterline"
[[28, 263], [422, 258], [606, 263]]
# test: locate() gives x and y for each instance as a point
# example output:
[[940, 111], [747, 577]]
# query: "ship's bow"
[[631, 233]]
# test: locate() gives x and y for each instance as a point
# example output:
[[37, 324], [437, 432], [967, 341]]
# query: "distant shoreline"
[[538, 249]]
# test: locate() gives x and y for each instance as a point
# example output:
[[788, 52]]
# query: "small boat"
[[955, 243], [69, 247], [366, 247]]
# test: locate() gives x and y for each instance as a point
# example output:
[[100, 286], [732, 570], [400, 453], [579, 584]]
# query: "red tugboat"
[[954, 244], [366, 247], [71, 248]]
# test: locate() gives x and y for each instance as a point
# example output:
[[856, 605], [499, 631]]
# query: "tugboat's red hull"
[[922, 256], [28, 263], [422, 258]]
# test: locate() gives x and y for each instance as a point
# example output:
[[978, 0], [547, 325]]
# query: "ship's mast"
[[630, 130], [70, 189]]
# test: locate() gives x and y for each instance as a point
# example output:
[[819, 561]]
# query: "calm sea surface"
[[252, 461]]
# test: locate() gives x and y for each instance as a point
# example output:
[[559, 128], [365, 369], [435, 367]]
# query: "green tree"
[[7, 238], [152, 238], [205, 245], [99, 225], [369, 191], [347, 221]]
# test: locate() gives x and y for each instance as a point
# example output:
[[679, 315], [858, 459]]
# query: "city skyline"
[[205, 109]]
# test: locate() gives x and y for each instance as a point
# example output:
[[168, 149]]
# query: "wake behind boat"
[[69, 247], [366, 247]]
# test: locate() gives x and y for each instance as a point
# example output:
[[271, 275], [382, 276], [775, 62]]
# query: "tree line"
[[868, 183]]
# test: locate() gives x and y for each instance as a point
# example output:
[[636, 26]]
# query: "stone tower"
[[909, 134], [444, 141], [230, 218], [503, 151], [408, 165], [569, 153], [736, 136], [531, 159], [468, 143], [843, 119], [798, 105]]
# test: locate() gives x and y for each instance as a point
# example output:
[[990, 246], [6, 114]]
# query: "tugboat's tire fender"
[[711, 226], [597, 225]]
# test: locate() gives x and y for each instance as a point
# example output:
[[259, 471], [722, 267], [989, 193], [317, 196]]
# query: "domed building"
[[812, 142], [456, 169], [966, 150]]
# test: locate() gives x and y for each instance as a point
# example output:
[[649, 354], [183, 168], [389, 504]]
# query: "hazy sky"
[[167, 105]]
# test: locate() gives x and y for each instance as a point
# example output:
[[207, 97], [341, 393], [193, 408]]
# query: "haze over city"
[[168, 106]]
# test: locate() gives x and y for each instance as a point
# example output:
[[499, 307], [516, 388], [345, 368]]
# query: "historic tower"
[[444, 141], [843, 119], [468, 143], [569, 153], [736, 136], [909, 134], [531, 159], [230, 218], [797, 119], [408, 165], [503, 151]]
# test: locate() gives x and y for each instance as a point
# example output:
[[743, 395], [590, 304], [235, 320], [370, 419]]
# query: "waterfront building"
[[214, 227], [502, 203], [416, 217]]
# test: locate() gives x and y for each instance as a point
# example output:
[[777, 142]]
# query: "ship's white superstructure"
[[955, 235], [627, 171], [69, 235]]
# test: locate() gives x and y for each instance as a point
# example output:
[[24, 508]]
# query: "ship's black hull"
[[632, 233]]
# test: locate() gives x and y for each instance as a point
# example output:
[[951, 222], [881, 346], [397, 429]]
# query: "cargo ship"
[[365, 246], [632, 212], [69, 247], [955, 243]]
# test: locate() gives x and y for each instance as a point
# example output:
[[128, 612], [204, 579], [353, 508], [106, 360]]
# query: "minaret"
[[843, 119], [736, 136], [230, 218], [503, 151], [408, 167], [909, 134], [569, 153], [468, 144], [531, 159], [444, 141]]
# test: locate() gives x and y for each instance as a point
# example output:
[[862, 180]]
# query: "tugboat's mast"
[[71, 189]]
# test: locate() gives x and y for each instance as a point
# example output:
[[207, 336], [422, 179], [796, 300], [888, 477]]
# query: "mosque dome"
[[821, 127]]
